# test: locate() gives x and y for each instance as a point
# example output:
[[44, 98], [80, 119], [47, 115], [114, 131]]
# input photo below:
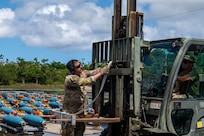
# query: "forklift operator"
[[187, 84], [75, 94]]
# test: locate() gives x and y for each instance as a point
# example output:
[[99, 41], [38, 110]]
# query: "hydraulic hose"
[[101, 88]]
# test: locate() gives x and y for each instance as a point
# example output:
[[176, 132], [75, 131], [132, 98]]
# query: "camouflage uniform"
[[75, 95], [190, 87]]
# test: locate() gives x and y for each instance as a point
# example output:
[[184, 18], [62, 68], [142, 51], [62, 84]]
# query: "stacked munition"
[[20, 109]]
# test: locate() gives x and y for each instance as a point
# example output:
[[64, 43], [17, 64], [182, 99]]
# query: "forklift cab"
[[162, 65], [139, 86]]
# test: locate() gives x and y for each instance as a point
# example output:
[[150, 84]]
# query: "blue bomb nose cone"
[[14, 121], [34, 120]]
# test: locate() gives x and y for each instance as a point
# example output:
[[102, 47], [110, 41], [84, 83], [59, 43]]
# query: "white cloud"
[[173, 18], [65, 25], [57, 10], [6, 14], [76, 24], [6, 17]]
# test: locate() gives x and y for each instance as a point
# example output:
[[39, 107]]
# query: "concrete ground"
[[54, 128]]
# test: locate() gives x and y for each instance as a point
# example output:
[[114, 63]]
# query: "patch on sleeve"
[[72, 79]]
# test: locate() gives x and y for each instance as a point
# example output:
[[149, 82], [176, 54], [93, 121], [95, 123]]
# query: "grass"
[[33, 87]]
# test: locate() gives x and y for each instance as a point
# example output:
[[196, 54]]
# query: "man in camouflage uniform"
[[187, 84], [75, 93]]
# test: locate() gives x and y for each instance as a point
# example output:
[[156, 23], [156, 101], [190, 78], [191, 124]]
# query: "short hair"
[[70, 65]]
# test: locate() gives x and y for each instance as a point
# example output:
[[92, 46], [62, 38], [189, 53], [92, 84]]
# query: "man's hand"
[[176, 88], [105, 70]]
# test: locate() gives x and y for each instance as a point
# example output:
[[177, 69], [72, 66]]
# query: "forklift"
[[136, 98], [138, 91]]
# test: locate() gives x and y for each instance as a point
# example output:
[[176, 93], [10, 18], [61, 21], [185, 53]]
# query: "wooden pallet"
[[101, 120]]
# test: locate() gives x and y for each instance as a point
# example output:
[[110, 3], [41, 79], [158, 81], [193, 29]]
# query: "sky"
[[60, 30]]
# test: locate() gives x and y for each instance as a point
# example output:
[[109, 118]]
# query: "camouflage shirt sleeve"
[[92, 72], [74, 80]]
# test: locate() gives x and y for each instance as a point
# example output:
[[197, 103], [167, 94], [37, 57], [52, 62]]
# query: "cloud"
[[6, 18], [65, 25], [68, 25], [170, 19]]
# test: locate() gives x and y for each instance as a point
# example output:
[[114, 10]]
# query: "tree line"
[[34, 71]]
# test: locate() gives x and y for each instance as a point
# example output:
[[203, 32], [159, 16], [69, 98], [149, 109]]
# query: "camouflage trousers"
[[69, 130]]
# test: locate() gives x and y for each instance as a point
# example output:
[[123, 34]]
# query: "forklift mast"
[[121, 93], [127, 26]]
